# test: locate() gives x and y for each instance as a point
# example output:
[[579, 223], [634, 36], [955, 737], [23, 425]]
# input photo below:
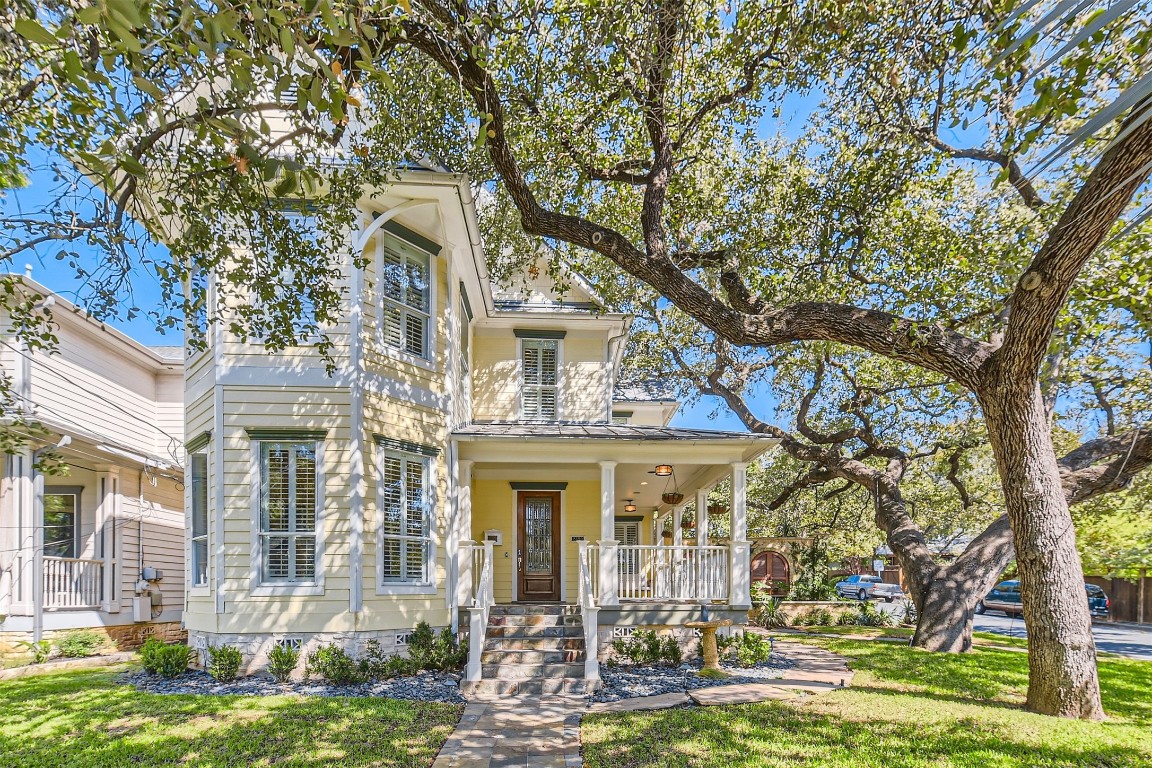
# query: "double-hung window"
[[405, 503], [61, 514], [540, 387], [199, 489], [289, 510], [405, 296]]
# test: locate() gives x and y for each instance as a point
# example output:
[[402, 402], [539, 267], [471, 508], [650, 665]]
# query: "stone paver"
[[640, 703], [740, 694], [534, 731]]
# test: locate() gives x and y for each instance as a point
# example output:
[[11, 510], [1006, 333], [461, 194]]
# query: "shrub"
[[282, 661], [771, 615], [164, 660], [868, 615], [845, 620], [379, 665], [746, 649], [41, 650], [907, 613], [149, 653], [647, 647], [80, 643], [333, 664], [435, 652], [224, 662]]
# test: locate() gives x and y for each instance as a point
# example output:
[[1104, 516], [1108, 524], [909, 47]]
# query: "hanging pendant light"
[[629, 506], [663, 470]]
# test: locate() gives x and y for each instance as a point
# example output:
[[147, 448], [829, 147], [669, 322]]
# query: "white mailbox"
[[494, 536]]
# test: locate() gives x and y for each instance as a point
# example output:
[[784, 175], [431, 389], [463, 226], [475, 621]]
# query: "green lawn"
[[978, 638], [83, 719], [906, 709]]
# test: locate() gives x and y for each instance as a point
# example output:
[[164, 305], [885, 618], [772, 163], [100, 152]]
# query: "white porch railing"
[[589, 612], [482, 599], [649, 573], [72, 582]]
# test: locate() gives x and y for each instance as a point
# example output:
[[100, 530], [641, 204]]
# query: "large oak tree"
[[630, 134]]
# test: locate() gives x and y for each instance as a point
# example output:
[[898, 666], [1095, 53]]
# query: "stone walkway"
[[535, 731], [544, 731]]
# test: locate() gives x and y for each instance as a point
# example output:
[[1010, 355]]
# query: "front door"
[[538, 545]]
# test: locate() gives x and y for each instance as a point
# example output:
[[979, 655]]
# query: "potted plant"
[[672, 497]]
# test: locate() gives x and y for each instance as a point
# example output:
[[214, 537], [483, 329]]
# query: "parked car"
[[1005, 597], [865, 587]]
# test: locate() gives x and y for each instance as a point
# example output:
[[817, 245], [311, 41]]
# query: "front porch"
[[611, 520]]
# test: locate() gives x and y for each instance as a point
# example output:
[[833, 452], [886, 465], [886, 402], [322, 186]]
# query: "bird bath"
[[708, 640]]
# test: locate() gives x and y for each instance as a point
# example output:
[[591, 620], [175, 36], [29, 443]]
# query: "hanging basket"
[[717, 509], [687, 525], [666, 534], [672, 498]]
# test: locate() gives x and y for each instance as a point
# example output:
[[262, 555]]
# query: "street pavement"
[[1132, 640]]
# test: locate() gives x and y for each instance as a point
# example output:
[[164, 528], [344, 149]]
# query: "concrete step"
[[516, 631], [505, 657], [534, 643], [534, 609], [561, 686], [534, 620], [530, 671]]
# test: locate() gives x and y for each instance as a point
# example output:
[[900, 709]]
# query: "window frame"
[[63, 490], [558, 387], [259, 586], [195, 457], [428, 457], [403, 247]]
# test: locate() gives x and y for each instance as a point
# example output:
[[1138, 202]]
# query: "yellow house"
[[473, 463]]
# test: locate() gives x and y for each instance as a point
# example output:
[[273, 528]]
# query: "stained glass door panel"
[[538, 546]]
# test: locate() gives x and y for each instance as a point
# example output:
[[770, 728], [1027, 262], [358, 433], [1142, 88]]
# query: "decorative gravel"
[[426, 686], [629, 682]]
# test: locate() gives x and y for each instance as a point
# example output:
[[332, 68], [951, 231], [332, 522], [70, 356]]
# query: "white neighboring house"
[[102, 545]]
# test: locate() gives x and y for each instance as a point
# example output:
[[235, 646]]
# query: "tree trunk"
[[945, 620], [1063, 679]]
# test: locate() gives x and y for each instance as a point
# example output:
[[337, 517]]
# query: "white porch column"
[[609, 573], [677, 526], [107, 513], [702, 517], [464, 533], [17, 533], [740, 553]]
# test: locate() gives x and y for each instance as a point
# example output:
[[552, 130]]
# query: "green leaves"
[[30, 30]]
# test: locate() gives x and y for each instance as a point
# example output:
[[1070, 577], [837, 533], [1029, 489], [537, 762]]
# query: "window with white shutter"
[[540, 388], [405, 518], [288, 512], [404, 274]]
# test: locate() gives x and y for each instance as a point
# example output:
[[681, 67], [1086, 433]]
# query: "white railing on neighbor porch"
[[482, 600], [72, 582], [589, 612]]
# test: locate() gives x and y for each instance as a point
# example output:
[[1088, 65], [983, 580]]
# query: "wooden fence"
[[1126, 596]]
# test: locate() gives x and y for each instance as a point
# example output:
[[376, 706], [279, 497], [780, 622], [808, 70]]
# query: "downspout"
[[612, 359]]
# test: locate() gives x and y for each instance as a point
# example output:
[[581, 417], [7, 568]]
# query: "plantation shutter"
[[406, 300], [405, 530], [541, 377]]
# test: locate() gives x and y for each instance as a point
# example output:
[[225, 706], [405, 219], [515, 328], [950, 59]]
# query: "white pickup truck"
[[865, 587]]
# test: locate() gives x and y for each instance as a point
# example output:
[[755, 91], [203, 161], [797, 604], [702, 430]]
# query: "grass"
[[83, 719], [906, 709], [903, 633]]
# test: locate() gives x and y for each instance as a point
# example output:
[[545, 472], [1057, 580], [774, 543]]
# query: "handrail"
[[589, 611], [483, 598]]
